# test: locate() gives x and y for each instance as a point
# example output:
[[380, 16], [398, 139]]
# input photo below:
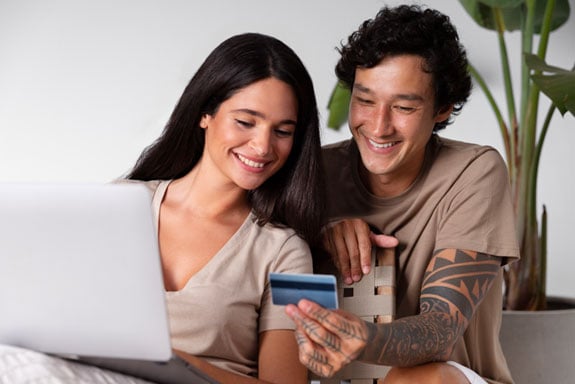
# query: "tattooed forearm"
[[410, 341], [455, 283]]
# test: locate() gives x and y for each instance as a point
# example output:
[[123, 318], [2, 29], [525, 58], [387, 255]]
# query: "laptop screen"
[[80, 272]]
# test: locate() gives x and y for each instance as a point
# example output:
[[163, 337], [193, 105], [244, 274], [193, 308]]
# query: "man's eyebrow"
[[401, 96], [263, 116], [361, 88], [409, 96]]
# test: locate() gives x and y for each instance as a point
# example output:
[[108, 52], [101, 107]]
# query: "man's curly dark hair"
[[411, 29]]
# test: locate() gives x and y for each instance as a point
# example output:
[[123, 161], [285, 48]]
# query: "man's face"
[[392, 118]]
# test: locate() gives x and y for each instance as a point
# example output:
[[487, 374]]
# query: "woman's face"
[[250, 136]]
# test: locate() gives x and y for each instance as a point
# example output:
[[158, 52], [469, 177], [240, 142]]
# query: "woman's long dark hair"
[[294, 195]]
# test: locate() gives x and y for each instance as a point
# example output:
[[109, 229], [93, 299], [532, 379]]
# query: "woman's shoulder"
[[150, 184], [156, 188], [278, 239], [276, 233]]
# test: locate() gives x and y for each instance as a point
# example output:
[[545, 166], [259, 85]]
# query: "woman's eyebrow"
[[262, 115]]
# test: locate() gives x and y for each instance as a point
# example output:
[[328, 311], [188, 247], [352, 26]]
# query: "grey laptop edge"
[[81, 277]]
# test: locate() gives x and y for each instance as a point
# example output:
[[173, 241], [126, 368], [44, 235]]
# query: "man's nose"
[[382, 121]]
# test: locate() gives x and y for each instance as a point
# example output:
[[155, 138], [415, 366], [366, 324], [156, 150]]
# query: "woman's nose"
[[261, 142]]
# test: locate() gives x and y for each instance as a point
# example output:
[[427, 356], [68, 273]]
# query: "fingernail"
[[304, 305], [348, 280], [365, 269], [356, 277], [290, 310]]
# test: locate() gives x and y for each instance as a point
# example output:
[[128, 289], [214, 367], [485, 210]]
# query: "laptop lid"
[[80, 272]]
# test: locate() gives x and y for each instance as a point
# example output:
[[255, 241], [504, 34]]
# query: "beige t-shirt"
[[460, 200], [222, 309]]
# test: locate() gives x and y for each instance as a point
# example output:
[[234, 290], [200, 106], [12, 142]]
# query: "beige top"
[[460, 200], [221, 310]]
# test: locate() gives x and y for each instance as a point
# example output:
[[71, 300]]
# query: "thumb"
[[383, 241]]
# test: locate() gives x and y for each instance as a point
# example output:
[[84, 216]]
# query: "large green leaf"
[[482, 12], [557, 83], [338, 106], [513, 12], [502, 3], [560, 14]]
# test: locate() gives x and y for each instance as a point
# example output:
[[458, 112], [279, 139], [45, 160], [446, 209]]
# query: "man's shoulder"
[[335, 155], [461, 151], [461, 163], [340, 147]]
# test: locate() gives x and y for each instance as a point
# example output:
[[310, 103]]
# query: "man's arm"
[[455, 283]]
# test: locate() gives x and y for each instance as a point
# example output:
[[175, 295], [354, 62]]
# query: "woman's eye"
[[284, 132], [244, 123]]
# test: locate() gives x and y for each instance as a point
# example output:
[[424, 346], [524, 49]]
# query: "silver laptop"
[[80, 275]]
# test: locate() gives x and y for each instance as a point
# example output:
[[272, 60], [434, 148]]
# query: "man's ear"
[[444, 113]]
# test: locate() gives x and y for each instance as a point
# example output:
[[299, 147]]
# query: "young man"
[[446, 202]]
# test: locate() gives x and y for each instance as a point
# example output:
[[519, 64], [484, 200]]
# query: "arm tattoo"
[[454, 284]]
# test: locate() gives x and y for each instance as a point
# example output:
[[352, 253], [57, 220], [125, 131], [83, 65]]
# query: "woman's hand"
[[327, 339]]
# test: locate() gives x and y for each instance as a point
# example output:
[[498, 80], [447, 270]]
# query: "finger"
[[350, 236], [322, 324], [317, 321], [384, 241], [336, 339], [363, 234], [312, 355], [306, 321], [341, 252]]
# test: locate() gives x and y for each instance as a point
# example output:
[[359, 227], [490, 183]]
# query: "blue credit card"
[[289, 288]]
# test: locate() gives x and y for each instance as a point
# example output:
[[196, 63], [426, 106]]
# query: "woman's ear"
[[204, 121]]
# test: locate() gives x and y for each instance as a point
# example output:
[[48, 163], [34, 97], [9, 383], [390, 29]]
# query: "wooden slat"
[[372, 299]]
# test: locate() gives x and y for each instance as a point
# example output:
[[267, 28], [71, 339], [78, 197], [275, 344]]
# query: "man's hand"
[[327, 339], [349, 242]]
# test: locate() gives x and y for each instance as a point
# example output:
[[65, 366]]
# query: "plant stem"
[[491, 100], [526, 214], [527, 32], [508, 84]]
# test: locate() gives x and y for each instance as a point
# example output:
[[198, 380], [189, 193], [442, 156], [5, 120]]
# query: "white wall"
[[85, 85]]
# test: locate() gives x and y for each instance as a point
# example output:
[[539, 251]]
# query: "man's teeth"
[[384, 145], [249, 162]]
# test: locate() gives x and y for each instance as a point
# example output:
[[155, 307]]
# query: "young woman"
[[236, 185]]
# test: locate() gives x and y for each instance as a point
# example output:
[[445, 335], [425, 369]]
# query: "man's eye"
[[404, 109], [364, 101], [360, 99]]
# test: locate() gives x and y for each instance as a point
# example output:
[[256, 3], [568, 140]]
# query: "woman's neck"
[[206, 195]]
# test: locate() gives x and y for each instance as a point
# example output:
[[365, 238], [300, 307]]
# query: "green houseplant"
[[522, 136]]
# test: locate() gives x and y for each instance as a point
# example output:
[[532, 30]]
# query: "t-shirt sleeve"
[[294, 256], [477, 214]]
